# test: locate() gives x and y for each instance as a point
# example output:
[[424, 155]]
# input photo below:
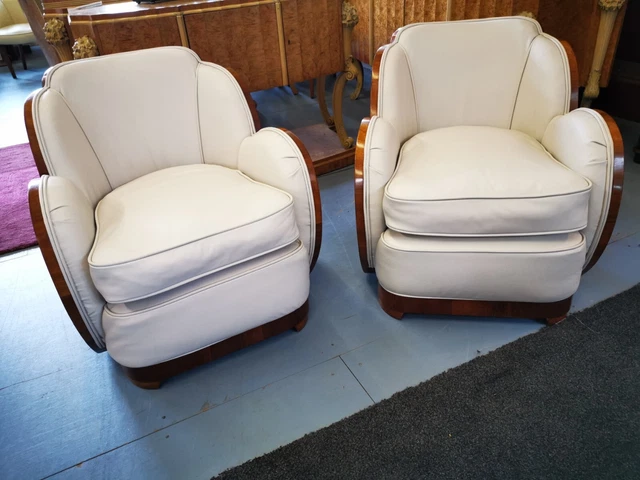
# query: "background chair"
[[479, 189], [174, 233], [14, 30]]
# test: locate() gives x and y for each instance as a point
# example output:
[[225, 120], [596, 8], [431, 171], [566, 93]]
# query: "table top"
[[109, 11]]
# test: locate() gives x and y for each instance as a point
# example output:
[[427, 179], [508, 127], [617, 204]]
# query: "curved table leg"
[[322, 102], [359, 78], [338, 93]]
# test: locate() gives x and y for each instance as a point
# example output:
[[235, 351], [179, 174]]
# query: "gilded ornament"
[[610, 5], [84, 47], [55, 33], [349, 15]]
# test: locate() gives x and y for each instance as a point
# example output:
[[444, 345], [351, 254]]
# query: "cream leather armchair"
[[479, 189], [174, 231], [14, 30]]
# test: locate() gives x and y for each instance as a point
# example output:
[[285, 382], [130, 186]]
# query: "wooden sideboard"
[[592, 27]]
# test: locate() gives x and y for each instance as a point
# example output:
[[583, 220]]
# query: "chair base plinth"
[[396, 306], [153, 376]]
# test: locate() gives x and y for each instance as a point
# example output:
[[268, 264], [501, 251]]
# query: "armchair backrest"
[[105, 121], [11, 13], [500, 72]]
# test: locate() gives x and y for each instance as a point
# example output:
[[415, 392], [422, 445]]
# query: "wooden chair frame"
[[153, 376], [397, 305]]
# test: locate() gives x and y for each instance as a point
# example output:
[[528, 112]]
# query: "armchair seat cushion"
[[17, 34], [483, 181], [173, 226]]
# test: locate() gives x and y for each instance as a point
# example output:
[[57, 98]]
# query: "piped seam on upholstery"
[[524, 69], [203, 288], [307, 178], [90, 256], [559, 250], [68, 278], [488, 235]]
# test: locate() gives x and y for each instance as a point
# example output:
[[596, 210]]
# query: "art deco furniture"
[[205, 229], [14, 30], [273, 43], [592, 27], [479, 188]]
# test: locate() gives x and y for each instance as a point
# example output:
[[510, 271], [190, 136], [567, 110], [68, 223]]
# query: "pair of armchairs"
[[176, 232]]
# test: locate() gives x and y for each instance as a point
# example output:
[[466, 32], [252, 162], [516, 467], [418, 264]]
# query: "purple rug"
[[17, 168]]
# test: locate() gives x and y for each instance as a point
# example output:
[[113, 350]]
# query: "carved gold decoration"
[[352, 70], [526, 13], [608, 16], [55, 32], [610, 5], [349, 15], [352, 67], [85, 47]]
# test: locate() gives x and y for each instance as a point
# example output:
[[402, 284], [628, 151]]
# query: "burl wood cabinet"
[[592, 27], [271, 42]]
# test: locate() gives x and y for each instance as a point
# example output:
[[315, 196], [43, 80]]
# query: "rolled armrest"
[[589, 142], [62, 218], [377, 151], [278, 158]]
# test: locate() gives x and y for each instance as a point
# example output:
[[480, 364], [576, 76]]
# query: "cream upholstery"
[[216, 307], [476, 181], [525, 269], [14, 26], [175, 224], [478, 184], [160, 230]]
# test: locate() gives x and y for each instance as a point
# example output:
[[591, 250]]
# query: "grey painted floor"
[[70, 413]]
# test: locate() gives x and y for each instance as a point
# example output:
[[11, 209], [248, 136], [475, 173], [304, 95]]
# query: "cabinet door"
[[244, 39], [313, 38]]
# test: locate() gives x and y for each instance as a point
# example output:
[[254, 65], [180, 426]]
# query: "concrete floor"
[[66, 412]]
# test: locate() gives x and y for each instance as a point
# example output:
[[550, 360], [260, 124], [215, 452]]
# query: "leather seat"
[[175, 225], [477, 181]]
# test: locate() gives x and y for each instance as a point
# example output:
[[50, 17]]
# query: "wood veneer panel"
[[244, 39], [424, 11], [396, 306], [313, 37], [388, 17], [126, 36], [575, 21], [360, 35], [520, 6]]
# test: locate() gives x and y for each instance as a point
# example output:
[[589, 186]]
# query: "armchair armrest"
[[589, 143], [377, 151], [63, 221], [278, 158]]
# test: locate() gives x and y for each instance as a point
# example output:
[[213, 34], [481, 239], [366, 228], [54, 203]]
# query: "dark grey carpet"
[[563, 403]]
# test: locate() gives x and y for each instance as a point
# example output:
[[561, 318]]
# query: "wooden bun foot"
[[554, 320]]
